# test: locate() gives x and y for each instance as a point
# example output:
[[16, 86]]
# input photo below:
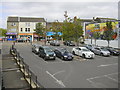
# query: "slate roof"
[[25, 19]]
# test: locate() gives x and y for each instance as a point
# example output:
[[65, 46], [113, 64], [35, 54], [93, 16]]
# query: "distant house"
[[22, 27]]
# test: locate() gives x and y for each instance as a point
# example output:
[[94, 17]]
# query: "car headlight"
[[37, 50], [65, 56], [54, 54], [47, 54]]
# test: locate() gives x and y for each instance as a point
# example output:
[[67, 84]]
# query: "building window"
[[21, 29], [25, 29], [28, 29], [13, 24], [27, 23]]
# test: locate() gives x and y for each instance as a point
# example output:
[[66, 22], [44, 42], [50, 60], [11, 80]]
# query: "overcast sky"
[[53, 10]]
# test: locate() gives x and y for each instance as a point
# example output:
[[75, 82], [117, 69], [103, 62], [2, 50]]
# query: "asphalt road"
[[100, 72]]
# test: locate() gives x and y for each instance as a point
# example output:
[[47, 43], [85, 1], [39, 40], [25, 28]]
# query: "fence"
[[29, 76]]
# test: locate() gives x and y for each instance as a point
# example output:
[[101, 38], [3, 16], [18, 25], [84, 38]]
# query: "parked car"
[[68, 43], [90, 47], [63, 53], [113, 51], [47, 53], [55, 43], [83, 52], [101, 51], [19, 40], [35, 48]]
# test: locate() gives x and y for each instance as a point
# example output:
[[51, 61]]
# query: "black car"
[[113, 51], [68, 43], [64, 54], [47, 53]]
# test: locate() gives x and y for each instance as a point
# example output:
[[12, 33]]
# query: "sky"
[[52, 10]]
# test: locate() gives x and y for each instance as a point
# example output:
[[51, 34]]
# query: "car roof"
[[83, 47]]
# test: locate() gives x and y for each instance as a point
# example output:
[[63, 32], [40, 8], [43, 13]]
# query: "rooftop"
[[25, 19]]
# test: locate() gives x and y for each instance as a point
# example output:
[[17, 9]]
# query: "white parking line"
[[103, 75], [58, 81], [100, 84], [107, 65], [111, 78], [96, 85], [39, 57], [58, 72]]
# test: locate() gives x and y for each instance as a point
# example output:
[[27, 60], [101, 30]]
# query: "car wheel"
[[83, 55], [101, 54], [73, 53], [62, 58], [39, 55], [45, 58]]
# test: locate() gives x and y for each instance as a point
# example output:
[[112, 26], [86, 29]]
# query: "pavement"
[[12, 76], [100, 72]]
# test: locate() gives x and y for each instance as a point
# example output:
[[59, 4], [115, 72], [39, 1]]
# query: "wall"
[[113, 43]]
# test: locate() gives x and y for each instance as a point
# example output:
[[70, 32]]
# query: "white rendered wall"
[[113, 43]]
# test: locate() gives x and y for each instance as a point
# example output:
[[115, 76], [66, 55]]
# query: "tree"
[[77, 30], [3, 32], [108, 33], [67, 29], [72, 29], [96, 35], [56, 28], [41, 30]]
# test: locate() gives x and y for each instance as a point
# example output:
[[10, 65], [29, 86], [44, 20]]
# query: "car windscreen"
[[48, 50], [64, 51], [104, 49], [85, 49]]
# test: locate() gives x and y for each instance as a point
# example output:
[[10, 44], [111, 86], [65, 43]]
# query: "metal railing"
[[29, 76]]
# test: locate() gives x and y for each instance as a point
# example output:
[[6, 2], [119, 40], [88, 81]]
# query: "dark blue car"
[[64, 54]]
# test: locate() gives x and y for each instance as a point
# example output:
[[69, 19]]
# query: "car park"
[[35, 48], [113, 51], [101, 51], [47, 53], [63, 53], [68, 43], [83, 52], [55, 43]]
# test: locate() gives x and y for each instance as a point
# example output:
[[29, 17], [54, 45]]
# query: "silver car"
[[55, 43], [35, 48], [101, 51]]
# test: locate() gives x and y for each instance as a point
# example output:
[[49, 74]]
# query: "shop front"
[[11, 36], [25, 36]]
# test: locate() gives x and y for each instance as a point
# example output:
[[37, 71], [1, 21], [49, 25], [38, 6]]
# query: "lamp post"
[[46, 32]]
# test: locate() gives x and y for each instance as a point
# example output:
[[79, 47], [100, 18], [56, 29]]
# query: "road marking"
[[57, 81], [107, 65], [103, 75], [40, 57], [58, 72], [111, 78], [96, 84]]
